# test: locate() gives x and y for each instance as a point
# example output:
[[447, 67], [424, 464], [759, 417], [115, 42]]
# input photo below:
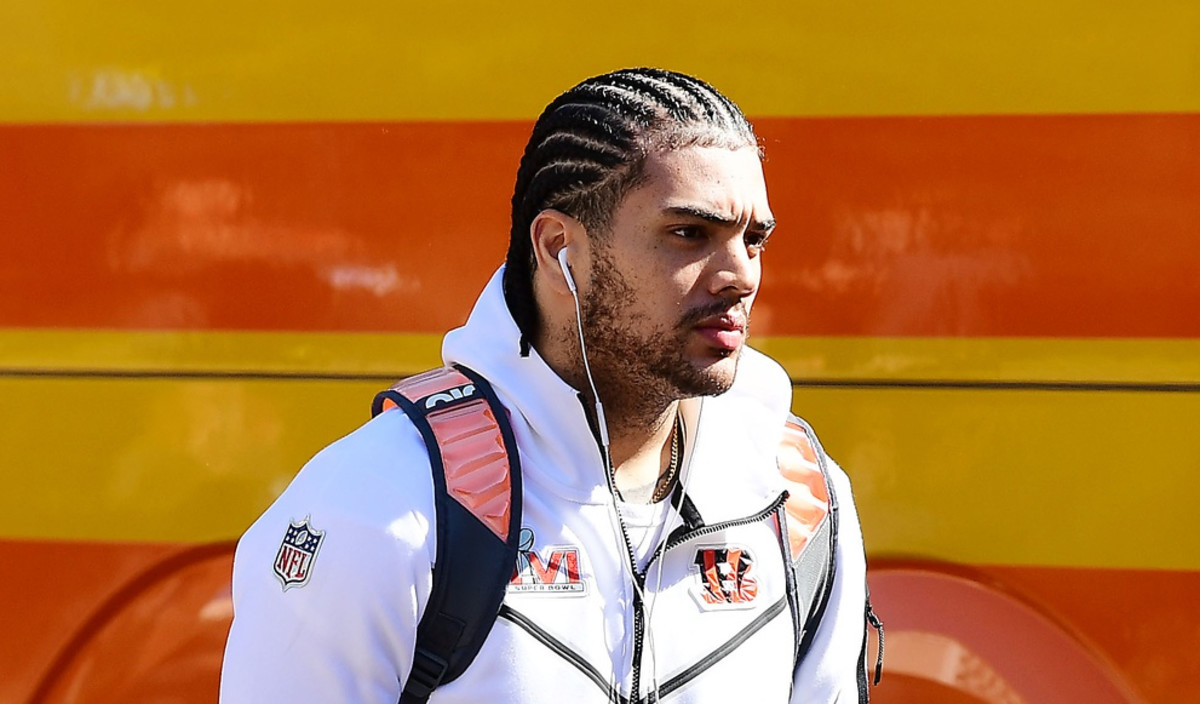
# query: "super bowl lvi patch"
[[297, 553], [557, 574]]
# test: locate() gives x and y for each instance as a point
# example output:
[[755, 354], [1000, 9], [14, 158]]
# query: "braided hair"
[[588, 149]]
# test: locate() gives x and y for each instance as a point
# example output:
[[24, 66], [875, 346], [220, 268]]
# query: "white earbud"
[[566, 269]]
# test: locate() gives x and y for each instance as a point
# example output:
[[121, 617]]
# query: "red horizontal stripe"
[[1063, 226]]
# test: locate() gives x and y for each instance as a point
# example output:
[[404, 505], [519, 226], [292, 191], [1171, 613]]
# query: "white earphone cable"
[[616, 520]]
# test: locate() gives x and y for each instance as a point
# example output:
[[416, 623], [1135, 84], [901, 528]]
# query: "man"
[[656, 559]]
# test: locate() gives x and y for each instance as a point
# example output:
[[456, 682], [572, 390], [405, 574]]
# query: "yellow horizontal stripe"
[[159, 460], [389, 355], [361, 354], [1004, 476], [987, 359], [69, 61], [1059, 478], [995, 477]]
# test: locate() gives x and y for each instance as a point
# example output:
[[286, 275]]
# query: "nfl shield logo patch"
[[297, 553]]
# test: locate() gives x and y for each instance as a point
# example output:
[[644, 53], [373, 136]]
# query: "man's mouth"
[[726, 331]]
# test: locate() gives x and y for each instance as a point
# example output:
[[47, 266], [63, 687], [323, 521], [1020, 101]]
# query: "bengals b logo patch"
[[726, 576]]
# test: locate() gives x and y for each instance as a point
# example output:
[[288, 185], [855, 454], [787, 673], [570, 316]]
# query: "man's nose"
[[737, 270]]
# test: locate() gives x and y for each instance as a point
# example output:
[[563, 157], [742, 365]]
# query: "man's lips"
[[726, 332]]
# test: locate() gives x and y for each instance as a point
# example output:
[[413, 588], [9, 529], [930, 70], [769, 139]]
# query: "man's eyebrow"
[[718, 218]]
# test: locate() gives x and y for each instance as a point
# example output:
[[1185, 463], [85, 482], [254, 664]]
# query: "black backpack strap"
[[477, 500]]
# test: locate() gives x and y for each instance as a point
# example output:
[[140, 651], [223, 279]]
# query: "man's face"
[[667, 308]]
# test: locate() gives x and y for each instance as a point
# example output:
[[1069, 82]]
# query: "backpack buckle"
[[428, 669]]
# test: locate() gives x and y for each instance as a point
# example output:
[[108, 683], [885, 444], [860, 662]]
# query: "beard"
[[646, 367]]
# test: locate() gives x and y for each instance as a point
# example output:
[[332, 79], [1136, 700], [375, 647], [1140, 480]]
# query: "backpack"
[[477, 499]]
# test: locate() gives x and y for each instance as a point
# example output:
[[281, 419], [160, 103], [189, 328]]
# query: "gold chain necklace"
[[667, 481]]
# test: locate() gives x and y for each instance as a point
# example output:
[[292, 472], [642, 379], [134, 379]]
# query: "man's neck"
[[639, 424], [640, 448]]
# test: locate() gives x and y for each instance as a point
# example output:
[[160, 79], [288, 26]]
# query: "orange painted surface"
[[162, 611], [347, 227], [49, 592], [901, 689], [1139, 619], [1073, 631], [1062, 226], [160, 638], [1065, 226]]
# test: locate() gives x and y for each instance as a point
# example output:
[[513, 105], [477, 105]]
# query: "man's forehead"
[[666, 161], [711, 183]]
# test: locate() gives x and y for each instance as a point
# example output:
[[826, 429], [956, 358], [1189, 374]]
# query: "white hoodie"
[[343, 628]]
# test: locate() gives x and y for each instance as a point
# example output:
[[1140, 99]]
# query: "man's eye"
[[756, 241], [688, 232]]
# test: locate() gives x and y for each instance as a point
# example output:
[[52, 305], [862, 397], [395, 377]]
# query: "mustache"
[[696, 315]]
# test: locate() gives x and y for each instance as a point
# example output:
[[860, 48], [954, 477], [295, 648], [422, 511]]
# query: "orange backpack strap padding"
[[477, 501], [808, 528], [468, 437], [807, 505]]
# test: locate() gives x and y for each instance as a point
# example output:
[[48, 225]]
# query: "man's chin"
[[714, 377]]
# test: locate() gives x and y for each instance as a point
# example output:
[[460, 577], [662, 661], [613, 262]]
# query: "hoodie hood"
[[550, 412]]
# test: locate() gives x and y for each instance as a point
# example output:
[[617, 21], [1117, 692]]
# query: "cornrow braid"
[[588, 149]]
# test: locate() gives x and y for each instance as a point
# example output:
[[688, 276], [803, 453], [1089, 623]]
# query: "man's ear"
[[551, 232]]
